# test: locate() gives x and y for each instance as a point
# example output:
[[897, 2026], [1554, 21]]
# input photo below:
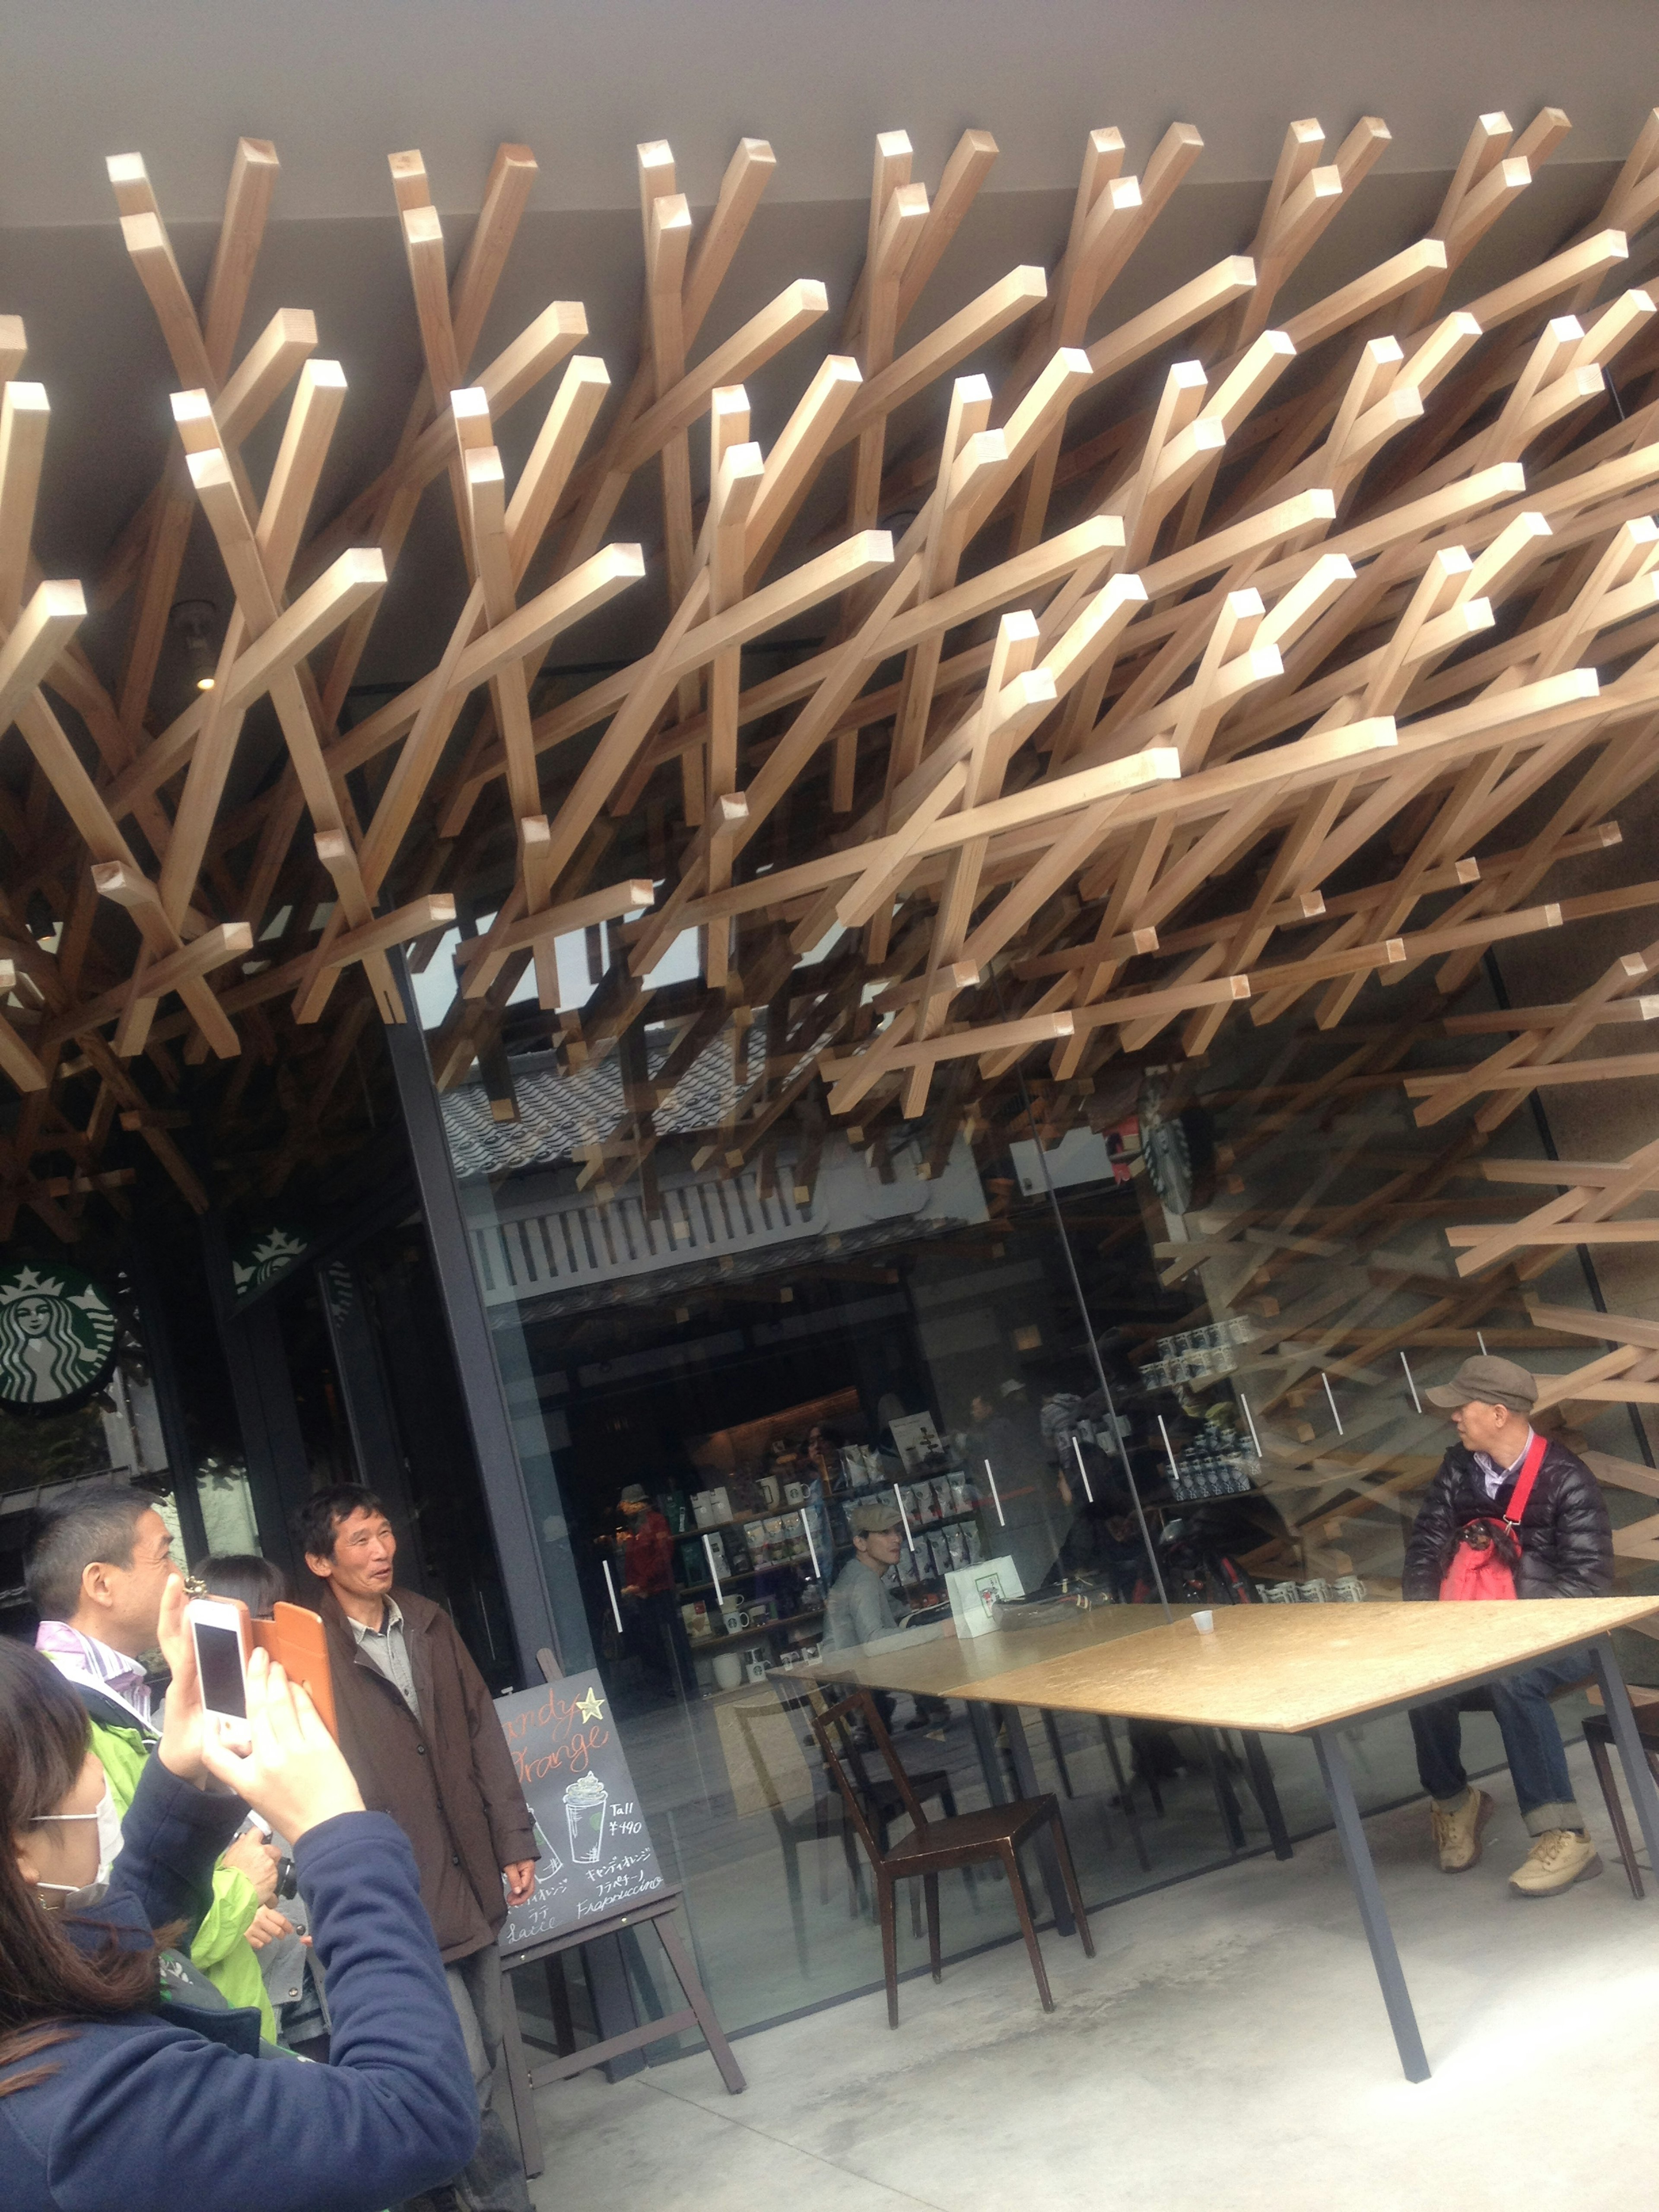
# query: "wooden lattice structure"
[[1206, 650]]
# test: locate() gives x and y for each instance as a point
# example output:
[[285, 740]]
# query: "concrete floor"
[[1227, 2047]]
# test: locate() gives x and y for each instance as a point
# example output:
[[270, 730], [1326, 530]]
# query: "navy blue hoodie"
[[171, 2109]]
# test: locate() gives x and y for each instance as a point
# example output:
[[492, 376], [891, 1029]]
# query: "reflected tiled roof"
[[795, 1261], [558, 1111]]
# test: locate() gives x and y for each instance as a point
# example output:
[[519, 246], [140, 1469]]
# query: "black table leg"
[[1125, 1795], [1632, 1757], [1267, 1796], [983, 1720], [1226, 1804], [1351, 1833], [1043, 1843], [1057, 1752]]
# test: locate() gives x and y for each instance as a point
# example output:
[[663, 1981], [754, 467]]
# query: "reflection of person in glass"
[[822, 1451], [862, 1608], [583, 1816], [645, 1556], [1003, 1428]]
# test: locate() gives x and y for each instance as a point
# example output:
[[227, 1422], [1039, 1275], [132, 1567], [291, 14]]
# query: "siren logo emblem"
[[263, 1257], [57, 1338]]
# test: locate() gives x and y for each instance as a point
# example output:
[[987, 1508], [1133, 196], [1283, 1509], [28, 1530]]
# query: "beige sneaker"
[[1560, 1857], [1457, 1835]]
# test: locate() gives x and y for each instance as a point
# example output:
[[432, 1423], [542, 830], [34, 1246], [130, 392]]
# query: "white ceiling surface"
[[337, 86]]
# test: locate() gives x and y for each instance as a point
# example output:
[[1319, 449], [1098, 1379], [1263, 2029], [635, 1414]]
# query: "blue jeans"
[[1532, 1744]]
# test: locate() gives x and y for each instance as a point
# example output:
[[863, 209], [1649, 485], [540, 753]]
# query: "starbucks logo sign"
[[57, 1338], [259, 1259]]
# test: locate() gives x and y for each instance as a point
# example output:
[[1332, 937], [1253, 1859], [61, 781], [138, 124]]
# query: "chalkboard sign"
[[595, 1857]]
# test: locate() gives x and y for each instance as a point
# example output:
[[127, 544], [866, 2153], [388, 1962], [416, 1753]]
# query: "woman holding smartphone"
[[111, 2091], [279, 1935]]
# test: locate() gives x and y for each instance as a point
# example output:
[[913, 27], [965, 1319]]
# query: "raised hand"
[[183, 1727], [258, 1861], [266, 1926]]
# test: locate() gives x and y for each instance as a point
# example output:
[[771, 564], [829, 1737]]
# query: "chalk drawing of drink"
[[549, 1861], [584, 1814]]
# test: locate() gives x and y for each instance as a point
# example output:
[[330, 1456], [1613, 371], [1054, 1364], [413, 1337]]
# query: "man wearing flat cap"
[[1565, 1546], [860, 1607]]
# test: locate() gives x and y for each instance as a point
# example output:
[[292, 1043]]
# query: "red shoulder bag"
[[1488, 1550]]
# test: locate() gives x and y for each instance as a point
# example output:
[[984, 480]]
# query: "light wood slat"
[[355, 577], [151, 251], [264, 373], [610, 905], [507, 192], [24, 417], [37, 638], [1573, 1070], [1336, 638]]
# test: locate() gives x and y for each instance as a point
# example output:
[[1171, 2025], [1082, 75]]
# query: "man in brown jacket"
[[420, 1735]]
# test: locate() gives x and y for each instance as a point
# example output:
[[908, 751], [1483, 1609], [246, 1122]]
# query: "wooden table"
[[935, 1663], [1305, 1670]]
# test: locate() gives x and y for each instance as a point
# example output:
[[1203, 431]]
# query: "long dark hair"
[[45, 1981]]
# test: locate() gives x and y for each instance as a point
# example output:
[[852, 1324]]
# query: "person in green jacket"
[[97, 1565]]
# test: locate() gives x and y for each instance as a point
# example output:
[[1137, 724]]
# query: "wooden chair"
[[1598, 1736], [936, 1847], [883, 1798], [769, 1772]]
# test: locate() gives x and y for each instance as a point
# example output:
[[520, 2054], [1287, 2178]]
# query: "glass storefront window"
[[1161, 1338], [707, 1372]]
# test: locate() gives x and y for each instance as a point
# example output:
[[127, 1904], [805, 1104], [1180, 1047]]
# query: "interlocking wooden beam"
[[1139, 637]]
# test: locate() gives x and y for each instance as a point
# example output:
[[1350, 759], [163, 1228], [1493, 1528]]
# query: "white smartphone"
[[219, 1627]]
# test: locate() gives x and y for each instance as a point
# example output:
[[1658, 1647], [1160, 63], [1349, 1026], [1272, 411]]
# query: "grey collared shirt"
[[860, 1608], [387, 1649]]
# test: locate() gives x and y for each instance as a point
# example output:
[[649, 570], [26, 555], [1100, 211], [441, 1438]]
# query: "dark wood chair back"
[[833, 1727], [959, 1840]]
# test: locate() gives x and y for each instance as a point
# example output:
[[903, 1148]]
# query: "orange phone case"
[[296, 1639]]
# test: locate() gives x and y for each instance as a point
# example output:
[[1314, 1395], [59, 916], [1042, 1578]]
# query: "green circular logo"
[[58, 1334], [264, 1254]]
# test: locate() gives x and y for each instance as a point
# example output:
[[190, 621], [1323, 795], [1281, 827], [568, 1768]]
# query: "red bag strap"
[[1528, 1475]]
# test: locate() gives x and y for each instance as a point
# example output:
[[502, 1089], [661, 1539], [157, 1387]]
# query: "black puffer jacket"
[[1566, 1539]]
